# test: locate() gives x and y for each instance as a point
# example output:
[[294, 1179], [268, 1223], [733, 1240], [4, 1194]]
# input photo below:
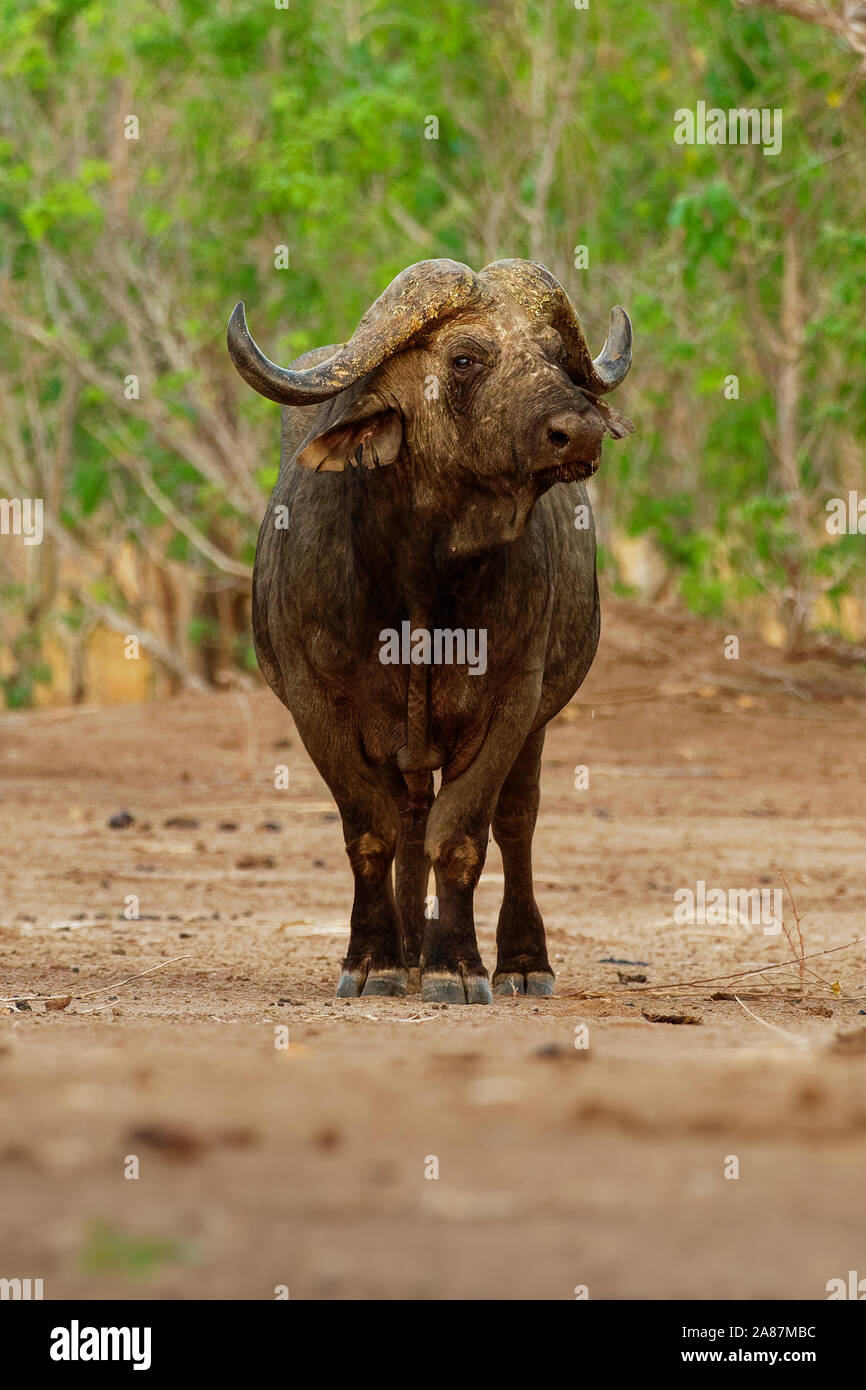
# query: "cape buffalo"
[[431, 480]]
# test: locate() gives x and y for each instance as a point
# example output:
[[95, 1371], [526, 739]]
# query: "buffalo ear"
[[371, 442], [618, 426]]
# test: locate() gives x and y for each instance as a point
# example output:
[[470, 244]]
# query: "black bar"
[[243, 1338]]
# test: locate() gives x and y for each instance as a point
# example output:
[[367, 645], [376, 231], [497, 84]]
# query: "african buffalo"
[[468, 406]]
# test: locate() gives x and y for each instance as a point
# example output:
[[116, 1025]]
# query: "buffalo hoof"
[[387, 983], [506, 986], [350, 984], [441, 987], [384, 982], [538, 984]]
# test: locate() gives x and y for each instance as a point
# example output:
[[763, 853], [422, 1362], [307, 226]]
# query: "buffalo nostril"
[[559, 439]]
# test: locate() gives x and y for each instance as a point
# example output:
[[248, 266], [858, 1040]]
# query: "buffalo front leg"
[[452, 971], [375, 962], [412, 873], [458, 829], [522, 966]]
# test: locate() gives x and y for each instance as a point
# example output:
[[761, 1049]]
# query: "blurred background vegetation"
[[306, 127]]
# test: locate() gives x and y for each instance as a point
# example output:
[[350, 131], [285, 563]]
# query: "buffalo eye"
[[461, 364]]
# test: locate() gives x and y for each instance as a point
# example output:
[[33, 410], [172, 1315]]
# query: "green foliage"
[[305, 128], [108, 1250], [29, 670]]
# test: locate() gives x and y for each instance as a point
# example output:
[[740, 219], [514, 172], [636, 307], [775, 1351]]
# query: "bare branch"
[[847, 20]]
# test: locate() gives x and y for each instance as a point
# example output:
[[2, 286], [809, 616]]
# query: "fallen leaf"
[[55, 1005], [172, 1140], [850, 1044], [671, 1018], [256, 861]]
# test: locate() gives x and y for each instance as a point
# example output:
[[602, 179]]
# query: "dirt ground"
[[306, 1166]]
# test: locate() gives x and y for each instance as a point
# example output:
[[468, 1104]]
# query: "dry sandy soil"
[[558, 1166]]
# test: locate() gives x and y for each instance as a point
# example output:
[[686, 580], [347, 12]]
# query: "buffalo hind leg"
[[522, 966]]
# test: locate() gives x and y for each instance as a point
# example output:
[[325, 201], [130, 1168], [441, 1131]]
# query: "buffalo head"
[[482, 376]]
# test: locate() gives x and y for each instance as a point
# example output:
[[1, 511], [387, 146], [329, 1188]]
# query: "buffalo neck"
[[420, 538]]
